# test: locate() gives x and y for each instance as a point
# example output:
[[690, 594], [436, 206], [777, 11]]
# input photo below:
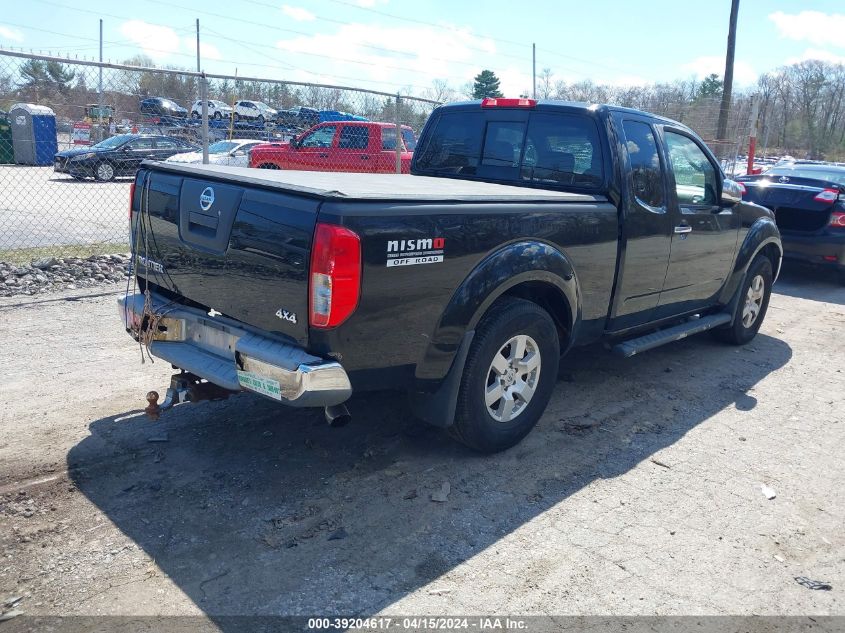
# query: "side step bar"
[[675, 333]]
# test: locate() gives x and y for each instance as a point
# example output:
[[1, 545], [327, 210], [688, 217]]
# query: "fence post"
[[398, 138], [204, 98]]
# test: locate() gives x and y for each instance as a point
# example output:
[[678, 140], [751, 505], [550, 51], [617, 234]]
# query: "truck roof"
[[357, 186], [554, 104]]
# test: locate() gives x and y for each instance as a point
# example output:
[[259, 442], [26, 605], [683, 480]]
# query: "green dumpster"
[[7, 154]]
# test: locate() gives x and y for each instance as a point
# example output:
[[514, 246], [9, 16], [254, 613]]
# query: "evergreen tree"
[[486, 85]]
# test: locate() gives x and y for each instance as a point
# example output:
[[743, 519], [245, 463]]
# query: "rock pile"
[[50, 274]]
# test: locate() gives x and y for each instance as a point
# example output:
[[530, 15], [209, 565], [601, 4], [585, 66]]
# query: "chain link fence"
[[72, 134]]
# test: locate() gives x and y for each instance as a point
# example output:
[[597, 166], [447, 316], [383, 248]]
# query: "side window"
[[321, 137], [388, 138], [354, 137], [695, 176], [646, 174], [562, 149], [140, 144], [453, 145], [503, 144], [165, 143]]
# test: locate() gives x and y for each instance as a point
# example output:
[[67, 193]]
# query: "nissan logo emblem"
[[783, 179], [206, 198]]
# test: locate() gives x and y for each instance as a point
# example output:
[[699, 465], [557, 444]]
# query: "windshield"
[[262, 106], [169, 103], [221, 147], [114, 141], [831, 175]]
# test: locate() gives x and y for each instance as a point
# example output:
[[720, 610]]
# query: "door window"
[[562, 149], [354, 137], [141, 144], [695, 175], [321, 137], [166, 143], [646, 175]]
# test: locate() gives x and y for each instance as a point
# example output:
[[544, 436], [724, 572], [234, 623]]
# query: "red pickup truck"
[[355, 146]]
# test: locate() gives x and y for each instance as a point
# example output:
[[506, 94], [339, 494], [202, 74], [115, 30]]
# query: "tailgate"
[[238, 249]]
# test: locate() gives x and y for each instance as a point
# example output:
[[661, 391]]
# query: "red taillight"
[[335, 275], [837, 220], [496, 102], [828, 195], [131, 198], [742, 189]]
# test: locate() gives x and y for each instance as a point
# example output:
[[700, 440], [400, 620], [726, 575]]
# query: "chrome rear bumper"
[[233, 356]]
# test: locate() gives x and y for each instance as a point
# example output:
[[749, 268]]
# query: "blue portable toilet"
[[33, 134]]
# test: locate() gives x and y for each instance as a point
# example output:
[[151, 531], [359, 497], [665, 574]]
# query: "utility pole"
[[100, 84], [198, 46], [728, 80], [534, 69], [752, 136]]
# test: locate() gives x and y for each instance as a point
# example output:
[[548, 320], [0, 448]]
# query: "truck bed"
[[357, 186]]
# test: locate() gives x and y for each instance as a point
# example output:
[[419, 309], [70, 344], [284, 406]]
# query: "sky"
[[405, 45]]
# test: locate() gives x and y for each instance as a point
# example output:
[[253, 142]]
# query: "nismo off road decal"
[[427, 250]]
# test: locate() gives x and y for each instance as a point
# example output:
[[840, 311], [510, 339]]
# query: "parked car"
[[216, 110], [809, 205], [231, 152], [343, 146], [162, 108], [600, 224], [117, 156], [298, 117], [254, 111]]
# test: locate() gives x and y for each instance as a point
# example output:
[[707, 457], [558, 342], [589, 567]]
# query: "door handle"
[[364, 157], [683, 228]]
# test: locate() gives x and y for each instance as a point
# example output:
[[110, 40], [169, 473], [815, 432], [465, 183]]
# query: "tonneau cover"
[[358, 186]]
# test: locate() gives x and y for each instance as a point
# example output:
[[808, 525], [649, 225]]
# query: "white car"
[[216, 110], [254, 111], [234, 152]]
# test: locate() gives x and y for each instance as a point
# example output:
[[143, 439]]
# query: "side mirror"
[[731, 193]]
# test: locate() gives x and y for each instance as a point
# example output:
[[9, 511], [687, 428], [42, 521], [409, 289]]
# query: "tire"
[[754, 302], [261, 119], [104, 171], [195, 115], [217, 116], [268, 166], [236, 117], [512, 329]]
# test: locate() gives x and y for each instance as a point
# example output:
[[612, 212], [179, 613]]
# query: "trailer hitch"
[[184, 387]]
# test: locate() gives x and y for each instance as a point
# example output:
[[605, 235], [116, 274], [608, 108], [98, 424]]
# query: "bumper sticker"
[[259, 384]]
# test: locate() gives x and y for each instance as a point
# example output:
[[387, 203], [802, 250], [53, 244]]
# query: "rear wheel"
[[236, 117], [217, 116], [268, 166], [260, 119], [510, 372], [104, 172], [195, 115], [754, 301]]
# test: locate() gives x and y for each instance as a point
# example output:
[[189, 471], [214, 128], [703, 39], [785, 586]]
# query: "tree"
[[725, 106], [545, 86], [43, 77], [486, 85], [710, 87]]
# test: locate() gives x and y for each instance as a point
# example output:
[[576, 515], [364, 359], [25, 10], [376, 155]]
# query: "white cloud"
[[156, 41], [7, 33], [707, 65], [207, 50], [298, 13], [421, 55], [368, 4], [813, 26], [816, 53]]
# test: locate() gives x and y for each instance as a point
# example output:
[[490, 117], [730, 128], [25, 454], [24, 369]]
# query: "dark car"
[[164, 109], [117, 156], [809, 205], [298, 117]]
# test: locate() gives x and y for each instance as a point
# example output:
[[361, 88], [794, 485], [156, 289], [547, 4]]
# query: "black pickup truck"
[[526, 228]]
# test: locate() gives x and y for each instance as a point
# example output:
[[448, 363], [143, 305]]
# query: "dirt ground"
[[638, 493]]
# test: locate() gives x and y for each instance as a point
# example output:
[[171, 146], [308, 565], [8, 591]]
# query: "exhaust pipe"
[[337, 415]]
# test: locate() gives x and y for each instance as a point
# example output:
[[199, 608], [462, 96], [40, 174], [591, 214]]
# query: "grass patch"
[[27, 255]]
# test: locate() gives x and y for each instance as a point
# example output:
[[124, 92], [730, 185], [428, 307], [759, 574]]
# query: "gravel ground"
[[644, 489]]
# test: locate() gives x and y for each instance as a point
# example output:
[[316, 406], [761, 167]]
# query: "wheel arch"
[[762, 237]]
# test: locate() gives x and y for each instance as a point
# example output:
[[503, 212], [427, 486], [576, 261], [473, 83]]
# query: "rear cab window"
[[545, 149]]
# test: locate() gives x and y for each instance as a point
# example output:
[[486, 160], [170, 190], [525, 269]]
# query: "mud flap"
[[438, 408]]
